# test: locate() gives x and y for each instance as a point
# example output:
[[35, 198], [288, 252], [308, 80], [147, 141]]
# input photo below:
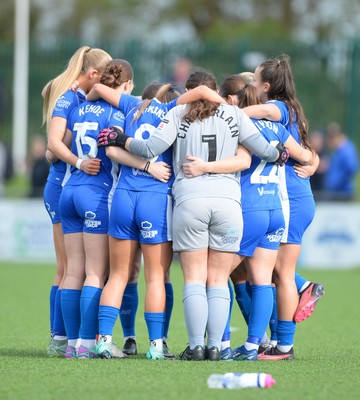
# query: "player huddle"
[[219, 175]]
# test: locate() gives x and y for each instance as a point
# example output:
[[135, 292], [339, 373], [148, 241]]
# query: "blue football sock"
[[53, 291], [128, 309], [89, 309], [70, 304], [243, 299], [107, 319], [155, 324], [227, 332], [58, 326], [168, 307], [274, 318], [286, 332], [261, 308]]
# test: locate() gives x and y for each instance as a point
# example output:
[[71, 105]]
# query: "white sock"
[[57, 337], [265, 341], [251, 346], [88, 343], [225, 344], [72, 342], [285, 349], [304, 286]]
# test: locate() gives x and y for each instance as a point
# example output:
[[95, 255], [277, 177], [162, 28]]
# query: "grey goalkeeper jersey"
[[212, 139]]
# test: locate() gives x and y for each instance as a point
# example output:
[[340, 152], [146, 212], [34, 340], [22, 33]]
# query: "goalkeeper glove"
[[283, 154], [112, 136]]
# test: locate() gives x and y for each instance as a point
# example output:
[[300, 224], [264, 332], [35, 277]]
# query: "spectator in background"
[[38, 166], [180, 72], [6, 167], [318, 142], [343, 165]]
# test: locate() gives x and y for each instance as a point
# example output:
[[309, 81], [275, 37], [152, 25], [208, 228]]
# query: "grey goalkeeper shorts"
[[208, 222]]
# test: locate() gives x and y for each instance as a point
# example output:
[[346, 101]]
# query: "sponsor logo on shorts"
[[146, 231], [231, 236], [90, 221], [276, 237], [51, 213]]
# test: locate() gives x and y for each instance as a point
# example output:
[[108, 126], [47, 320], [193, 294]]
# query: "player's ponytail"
[[82, 60]]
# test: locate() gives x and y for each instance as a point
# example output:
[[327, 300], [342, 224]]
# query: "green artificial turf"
[[327, 349]]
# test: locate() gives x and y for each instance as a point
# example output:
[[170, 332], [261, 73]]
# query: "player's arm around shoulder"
[[196, 166]]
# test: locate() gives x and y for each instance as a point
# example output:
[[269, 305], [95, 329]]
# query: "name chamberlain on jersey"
[[184, 127]]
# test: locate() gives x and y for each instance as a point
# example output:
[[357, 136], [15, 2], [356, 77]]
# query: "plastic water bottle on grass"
[[233, 380]]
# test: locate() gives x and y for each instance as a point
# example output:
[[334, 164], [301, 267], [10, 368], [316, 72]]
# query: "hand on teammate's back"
[[91, 166]]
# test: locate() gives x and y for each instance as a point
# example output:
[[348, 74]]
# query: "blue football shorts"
[[52, 194], [142, 216], [84, 208], [262, 228], [298, 214]]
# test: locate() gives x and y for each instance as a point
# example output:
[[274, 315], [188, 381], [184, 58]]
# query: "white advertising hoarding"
[[25, 232], [331, 241]]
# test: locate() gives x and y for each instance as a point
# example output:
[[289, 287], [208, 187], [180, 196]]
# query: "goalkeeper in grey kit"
[[207, 216]]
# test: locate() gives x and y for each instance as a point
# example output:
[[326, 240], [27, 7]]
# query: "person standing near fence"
[[343, 165]]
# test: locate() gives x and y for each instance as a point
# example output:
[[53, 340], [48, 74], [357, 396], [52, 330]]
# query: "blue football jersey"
[[63, 108], [142, 128], [291, 185], [260, 182], [85, 122]]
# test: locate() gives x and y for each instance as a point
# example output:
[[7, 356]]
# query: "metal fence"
[[327, 74]]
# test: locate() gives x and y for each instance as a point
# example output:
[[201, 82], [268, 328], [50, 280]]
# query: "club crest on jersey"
[[119, 116], [146, 231], [90, 221], [231, 236]]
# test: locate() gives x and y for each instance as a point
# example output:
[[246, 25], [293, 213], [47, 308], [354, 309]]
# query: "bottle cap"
[[269, 381]]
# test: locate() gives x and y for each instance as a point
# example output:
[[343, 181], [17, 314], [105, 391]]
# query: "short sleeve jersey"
[[212, 139], [86, 122], [291, 185], [63, 108], [141, 129], [260, 182]]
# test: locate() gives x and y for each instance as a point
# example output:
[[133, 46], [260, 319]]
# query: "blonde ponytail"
[[82, 60]]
